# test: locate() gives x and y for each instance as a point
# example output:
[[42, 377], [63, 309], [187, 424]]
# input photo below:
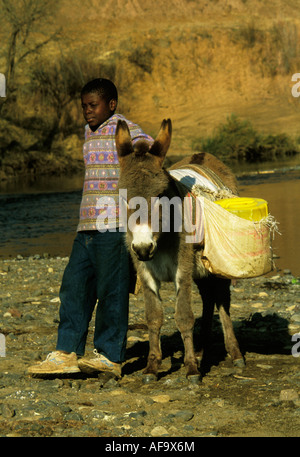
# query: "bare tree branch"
[[24, 20]]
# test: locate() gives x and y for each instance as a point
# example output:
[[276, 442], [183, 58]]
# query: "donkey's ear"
[[123, 139], [163, 140]]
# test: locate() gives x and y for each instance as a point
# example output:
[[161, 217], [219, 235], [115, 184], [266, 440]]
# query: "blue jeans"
[[98, 269]]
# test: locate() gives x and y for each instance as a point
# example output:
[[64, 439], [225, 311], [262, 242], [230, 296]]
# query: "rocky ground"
[[263, 399]]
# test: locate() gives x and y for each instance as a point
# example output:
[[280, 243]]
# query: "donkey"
[[166, 256]]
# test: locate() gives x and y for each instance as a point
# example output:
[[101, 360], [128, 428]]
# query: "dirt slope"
[[194, 61]]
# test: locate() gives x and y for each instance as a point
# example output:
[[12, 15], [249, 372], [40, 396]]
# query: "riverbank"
[[17, 172], [41, 215], [236, 143], [260, 400]]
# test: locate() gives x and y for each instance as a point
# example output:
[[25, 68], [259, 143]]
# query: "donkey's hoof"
[[148, 378], [239, 363], [194, 379]]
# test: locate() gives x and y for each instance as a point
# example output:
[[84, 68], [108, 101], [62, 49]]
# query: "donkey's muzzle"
[[144, 251]]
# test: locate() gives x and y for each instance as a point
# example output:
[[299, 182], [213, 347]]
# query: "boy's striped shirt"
[[102, 172]]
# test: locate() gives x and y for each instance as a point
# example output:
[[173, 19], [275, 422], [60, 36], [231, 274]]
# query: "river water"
[[40, 216]]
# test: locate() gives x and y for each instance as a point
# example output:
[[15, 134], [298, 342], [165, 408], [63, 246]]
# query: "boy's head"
[[99, 99]]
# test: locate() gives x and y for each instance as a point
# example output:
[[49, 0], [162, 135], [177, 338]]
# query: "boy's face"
[[96, 110]]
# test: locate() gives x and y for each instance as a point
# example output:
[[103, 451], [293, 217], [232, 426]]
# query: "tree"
[[59, 82], [25, 30]]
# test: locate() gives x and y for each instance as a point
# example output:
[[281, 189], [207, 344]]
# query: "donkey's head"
[[142, 176]]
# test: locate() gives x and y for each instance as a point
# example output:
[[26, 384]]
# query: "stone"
[[161, 398], [264, 366], [138, 414], [295, 317], [263, 294], [7, 314], [288, 395], [97, 415], [73, 416], [7, 411], [159, 431], [184, 415]]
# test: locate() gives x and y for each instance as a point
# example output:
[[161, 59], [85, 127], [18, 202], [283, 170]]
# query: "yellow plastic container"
[[253, 209]]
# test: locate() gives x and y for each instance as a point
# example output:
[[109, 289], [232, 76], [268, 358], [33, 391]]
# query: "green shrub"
[[248, 35], [237, 140]]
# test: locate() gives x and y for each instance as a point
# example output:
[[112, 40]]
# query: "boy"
[[98, 267]]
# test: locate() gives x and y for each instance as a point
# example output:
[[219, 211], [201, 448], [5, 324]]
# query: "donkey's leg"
[[185, 320], [208, 303], [154, 319], [222, 294]]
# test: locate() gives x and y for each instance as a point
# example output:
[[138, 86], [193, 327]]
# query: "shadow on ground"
[[260, 334]]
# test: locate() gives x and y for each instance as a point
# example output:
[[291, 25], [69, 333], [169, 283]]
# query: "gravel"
[[260, 400]]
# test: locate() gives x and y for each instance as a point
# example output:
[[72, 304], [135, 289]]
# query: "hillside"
[[196, 62]]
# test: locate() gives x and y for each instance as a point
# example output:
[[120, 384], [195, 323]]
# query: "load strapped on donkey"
[[238, 232]]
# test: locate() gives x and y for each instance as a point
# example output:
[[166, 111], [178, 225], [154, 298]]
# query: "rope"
[[198, 190], [269, 222]]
